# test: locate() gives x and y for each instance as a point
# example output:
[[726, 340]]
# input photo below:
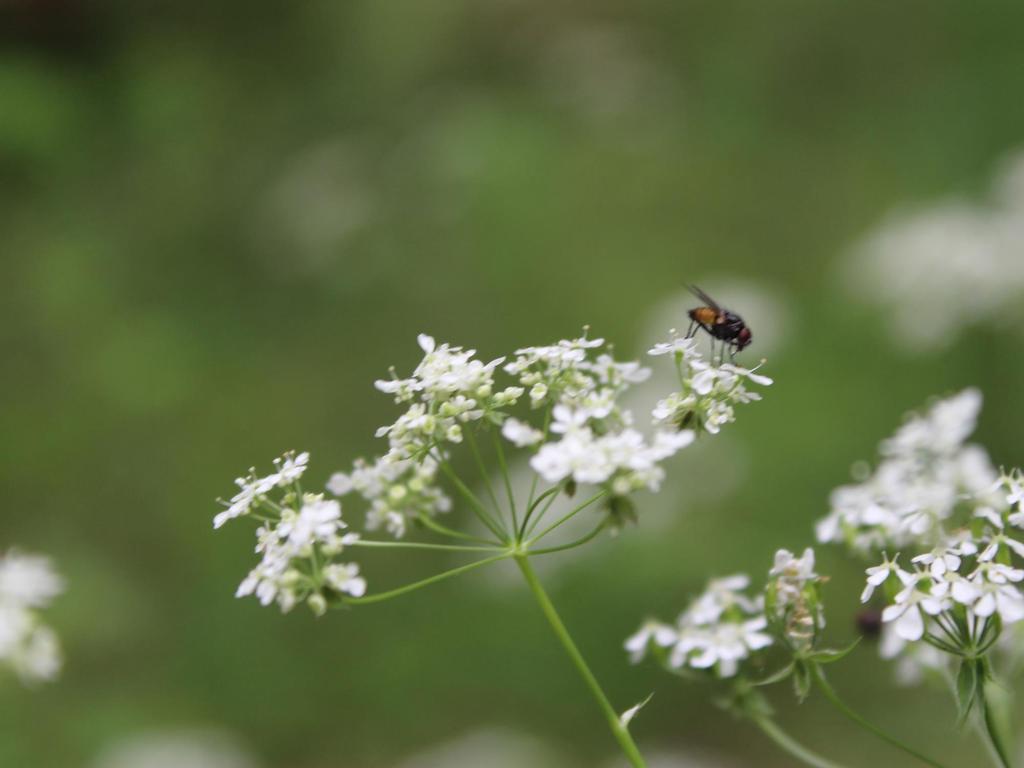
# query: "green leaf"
[[801, 681], [777, 677], [830, 656], [967, 689]]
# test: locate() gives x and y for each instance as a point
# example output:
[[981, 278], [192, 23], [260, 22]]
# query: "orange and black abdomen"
[[704, 315]]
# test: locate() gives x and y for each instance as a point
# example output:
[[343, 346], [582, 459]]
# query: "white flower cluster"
[[926, 477], [27, 584], [708, 393], [956, 590], [623, 459], [942, 500], [726, 624], [253, 490], [448, 389], [948, 267], [582, 434], [397, 489], [568, 374], [596, 442], [298, 536], [721, 628]]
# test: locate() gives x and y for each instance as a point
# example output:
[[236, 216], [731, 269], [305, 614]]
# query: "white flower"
[[946, 268], [299, 536], [879, 574], [719, 629], [28, 580], [31, 649], [719, 596], [906, 610], [520, 434], [722, 645], [251, 489], [708, 393], [662, 635], [925, 476], [397, 489], [318, 521], [344, 577], [991, 589], [941, 430], [588, 458], [290, 467], [685, 345], [793, 568]]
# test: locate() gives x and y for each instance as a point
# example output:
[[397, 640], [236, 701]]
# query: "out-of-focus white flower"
[[398, 489], [29, 580], [596, 459], [722, 646], [945, 268], [343, 577], [926, 474], [662, 635], [721, 627], [520, 433], [28, 583], [491, 747], [184, 748]]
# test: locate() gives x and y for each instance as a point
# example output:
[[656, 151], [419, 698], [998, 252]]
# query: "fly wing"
[[704, 297]]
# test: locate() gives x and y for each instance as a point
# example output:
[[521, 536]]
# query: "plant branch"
[[619, 731], [381, 596], [839, 704]]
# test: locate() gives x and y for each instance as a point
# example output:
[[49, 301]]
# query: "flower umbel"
[[299, 535], [708, 393], [560, 406]]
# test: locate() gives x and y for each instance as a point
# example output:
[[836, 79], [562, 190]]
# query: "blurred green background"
[[222, 221]]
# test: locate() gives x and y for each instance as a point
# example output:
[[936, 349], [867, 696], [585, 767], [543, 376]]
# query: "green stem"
[[568, 516], [550, 495], [839, 704], [381, 596], [533, 484], [484, 474], [619, 731], [429, 522], [508, 479], [994, 738], [788, 744], [572, 544], [474, 502], [423, 545]]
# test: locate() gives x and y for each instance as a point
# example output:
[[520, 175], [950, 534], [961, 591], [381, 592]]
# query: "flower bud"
[[317, 603]]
